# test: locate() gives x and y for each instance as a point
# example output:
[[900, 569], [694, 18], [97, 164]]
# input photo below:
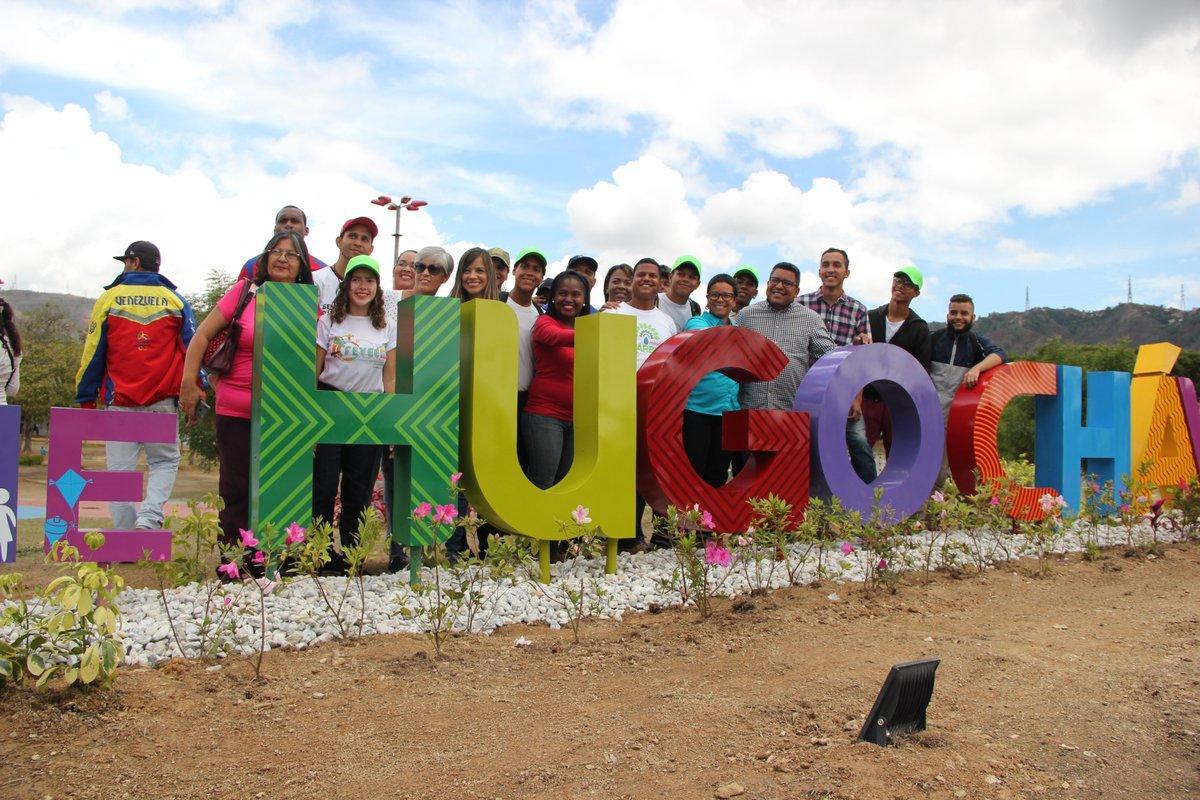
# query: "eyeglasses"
[[290, 255], [905, 282], [432, 269], [721, 295], [784, 282]]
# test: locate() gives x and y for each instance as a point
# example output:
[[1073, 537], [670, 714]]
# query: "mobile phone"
[[202, 409]]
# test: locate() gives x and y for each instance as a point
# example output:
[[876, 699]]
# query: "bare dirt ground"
[[1080, 685]]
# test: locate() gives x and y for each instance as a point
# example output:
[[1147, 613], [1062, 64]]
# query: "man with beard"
[[797, 329], [959, 354]]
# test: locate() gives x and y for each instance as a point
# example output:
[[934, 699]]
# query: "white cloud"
[[111, 106], [81, 202], [643, 211], [769, 210], [1189, 195], [1019, 253], [953, 114]]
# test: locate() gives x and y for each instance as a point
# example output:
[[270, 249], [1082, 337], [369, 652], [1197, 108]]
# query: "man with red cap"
[[356, 239]]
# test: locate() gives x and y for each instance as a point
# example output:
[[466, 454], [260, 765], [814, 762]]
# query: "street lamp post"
[[404, 203]]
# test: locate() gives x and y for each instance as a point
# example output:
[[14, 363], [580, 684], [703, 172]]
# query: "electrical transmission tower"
[[1129, 289], [1026, 298]]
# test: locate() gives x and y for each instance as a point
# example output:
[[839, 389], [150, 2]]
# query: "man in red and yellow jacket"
[[133, 361]]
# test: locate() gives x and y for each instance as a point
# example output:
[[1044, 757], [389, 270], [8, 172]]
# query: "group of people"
[[145, 352]]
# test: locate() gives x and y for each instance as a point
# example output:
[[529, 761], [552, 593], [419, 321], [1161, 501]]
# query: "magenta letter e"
[[67, 482]]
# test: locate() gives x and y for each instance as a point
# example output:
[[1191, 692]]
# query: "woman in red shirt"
[[548, 431]]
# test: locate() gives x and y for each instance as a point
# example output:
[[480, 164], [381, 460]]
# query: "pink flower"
[[267, 585], [228, 602], [229, 570], [580, 515], [1183, 485], [455, 478], [847, 548], [706, 519], [248, 539], [444, 515], [995, 501], [1046, 501], [715, 555], [882, 564], [1124, 508], [422, 511], [1095, 487], [938, 497], [259, 557], [742, 541], [295, 534]]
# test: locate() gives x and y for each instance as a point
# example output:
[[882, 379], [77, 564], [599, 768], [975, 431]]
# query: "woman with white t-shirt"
[[356, 352]]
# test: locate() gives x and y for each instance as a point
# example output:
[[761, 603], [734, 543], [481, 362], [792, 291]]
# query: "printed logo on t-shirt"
[[647, 337], [348, 348]]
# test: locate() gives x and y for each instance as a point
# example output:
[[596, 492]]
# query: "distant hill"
[[75, 308], [1019, 332]]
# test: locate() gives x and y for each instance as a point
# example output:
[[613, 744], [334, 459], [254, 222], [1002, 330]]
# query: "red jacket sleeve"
[[549, 331]]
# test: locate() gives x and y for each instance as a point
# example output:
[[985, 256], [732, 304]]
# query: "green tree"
[[48, 369], [1015, 435], [201, 438]]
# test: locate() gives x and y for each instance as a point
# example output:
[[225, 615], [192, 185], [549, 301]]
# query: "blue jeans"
[[162, 462], [549, 448], [862, 457]]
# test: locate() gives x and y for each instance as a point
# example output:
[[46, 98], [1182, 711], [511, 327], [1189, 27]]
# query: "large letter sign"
[[67, 482], [1191, 413], [776, 440], [827, 392], [291, 416], [971, 432], [1158, 431], [602, 473], [1062, 441], [10, 438]]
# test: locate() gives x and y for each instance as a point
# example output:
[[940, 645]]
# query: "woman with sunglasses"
[[284, 259], [476, 279], [433, 266], [714, 394]]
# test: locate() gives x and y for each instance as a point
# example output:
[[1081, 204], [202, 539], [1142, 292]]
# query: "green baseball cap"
[[531, 251], [746, 269], [913, 274], [362, 262], [682, 261]]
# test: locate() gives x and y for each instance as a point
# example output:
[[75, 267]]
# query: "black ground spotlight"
[[900, 706]]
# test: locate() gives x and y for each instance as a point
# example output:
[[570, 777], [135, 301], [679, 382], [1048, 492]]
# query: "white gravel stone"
[[297, 617]]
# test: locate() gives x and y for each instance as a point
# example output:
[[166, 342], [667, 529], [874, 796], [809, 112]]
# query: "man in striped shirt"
[[846, 320]]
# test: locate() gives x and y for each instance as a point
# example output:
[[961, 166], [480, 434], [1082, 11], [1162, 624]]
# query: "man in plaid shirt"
[[846, 320]]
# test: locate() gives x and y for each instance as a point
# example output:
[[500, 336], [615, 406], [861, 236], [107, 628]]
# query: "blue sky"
[[996, 145]]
